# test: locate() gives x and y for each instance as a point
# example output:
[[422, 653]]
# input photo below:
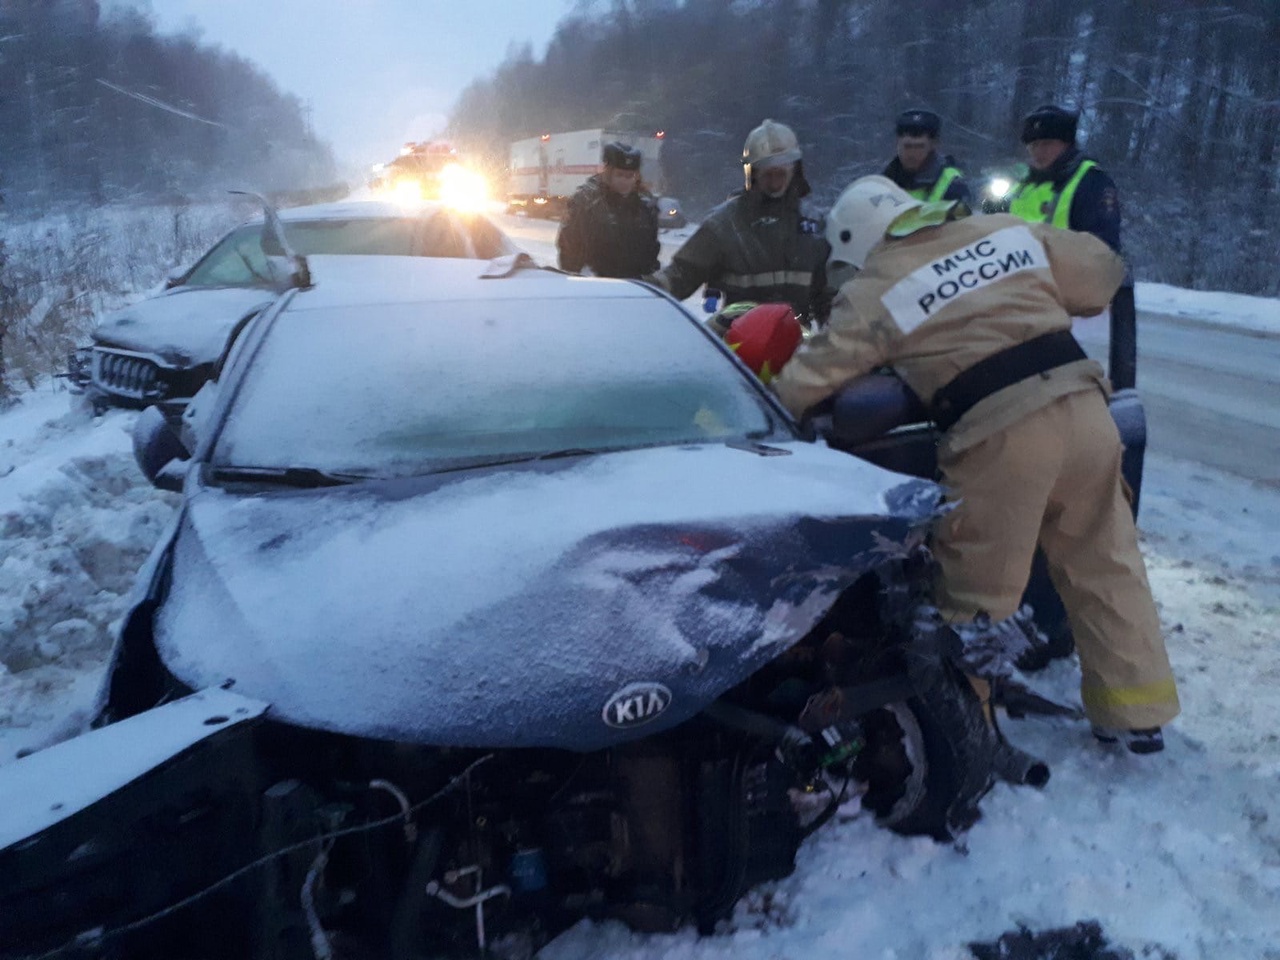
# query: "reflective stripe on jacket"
[[754, 247], [939, 189]]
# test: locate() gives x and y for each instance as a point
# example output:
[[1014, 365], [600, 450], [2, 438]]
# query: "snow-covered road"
[[1212, 393]]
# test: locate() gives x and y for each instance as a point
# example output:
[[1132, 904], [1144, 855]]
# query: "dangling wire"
[[320, 945], [78, 945], [822, 819]]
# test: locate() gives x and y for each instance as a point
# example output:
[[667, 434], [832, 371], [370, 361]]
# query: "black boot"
[[1145, 740]]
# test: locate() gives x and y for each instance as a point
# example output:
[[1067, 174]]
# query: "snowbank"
[[1256, 314], [76, 521]]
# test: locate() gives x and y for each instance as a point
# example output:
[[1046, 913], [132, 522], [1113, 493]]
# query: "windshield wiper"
[[503, 460], [301, 477], [758, 447], [568, 452]]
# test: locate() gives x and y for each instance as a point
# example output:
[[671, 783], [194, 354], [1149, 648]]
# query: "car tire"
[[927, 760]]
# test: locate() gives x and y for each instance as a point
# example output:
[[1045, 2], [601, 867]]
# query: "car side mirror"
[[195, 416], [172, 476], [174, 276], [158, 450]]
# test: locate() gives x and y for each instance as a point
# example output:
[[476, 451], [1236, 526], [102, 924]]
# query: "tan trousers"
[[1053, 478]]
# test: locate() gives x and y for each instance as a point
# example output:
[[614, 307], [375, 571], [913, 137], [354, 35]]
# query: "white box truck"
[[545, 171]]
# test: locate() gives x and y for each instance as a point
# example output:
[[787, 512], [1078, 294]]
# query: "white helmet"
[[771, 144], [861, 216]]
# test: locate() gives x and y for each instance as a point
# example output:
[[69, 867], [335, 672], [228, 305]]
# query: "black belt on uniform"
[[1001, 370]]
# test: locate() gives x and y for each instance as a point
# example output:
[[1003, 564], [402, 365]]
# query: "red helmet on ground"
[[765, 337]]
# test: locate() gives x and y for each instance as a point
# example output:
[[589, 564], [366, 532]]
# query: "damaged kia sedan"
[[496, 599], [163, 348]]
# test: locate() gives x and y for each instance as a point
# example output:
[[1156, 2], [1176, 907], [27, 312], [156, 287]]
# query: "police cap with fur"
[[1050, 122], [620, 156]]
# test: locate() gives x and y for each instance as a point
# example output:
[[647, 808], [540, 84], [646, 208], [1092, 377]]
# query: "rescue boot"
[[1145, 740]]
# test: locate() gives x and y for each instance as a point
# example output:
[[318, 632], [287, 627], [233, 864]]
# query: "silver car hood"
[[183, 327]]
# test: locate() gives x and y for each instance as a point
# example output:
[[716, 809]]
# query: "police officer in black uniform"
[[1068, 189], [919, 168], [611, 227]]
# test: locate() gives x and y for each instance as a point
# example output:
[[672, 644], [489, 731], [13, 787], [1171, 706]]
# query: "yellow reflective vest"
[[945, 179], [1040, 203]]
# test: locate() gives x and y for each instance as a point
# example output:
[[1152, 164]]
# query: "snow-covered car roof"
[[343, 281], [359, 209]]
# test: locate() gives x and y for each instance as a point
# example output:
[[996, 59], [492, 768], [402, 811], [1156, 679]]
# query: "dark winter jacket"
[[756, 247], [1095, 202], [614, 235], [921, 183]]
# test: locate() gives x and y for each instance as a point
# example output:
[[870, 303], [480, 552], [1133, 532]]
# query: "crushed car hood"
[[574, 603], [181, 327]]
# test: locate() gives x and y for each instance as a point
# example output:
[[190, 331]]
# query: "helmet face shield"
[[780, 158], [781, 161], [774, 178]]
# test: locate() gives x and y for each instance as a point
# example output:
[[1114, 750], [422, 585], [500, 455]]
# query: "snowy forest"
[[117, 150], [1179, 101], [96, 107]]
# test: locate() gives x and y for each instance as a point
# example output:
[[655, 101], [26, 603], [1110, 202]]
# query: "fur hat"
[[620, 156], [1050, 122]]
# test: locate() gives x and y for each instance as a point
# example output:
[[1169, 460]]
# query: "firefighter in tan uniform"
[[974, 314]]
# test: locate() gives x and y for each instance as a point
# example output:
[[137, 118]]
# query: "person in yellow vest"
[[919, 168], [1067, 189], [974, 314]]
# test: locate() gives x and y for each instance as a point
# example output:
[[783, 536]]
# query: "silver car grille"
[[127, 374]]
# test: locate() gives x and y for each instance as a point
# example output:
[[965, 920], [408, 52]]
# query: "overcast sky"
[[374, 73]]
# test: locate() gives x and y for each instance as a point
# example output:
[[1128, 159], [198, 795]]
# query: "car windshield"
[[242, 258], [408, 389]]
